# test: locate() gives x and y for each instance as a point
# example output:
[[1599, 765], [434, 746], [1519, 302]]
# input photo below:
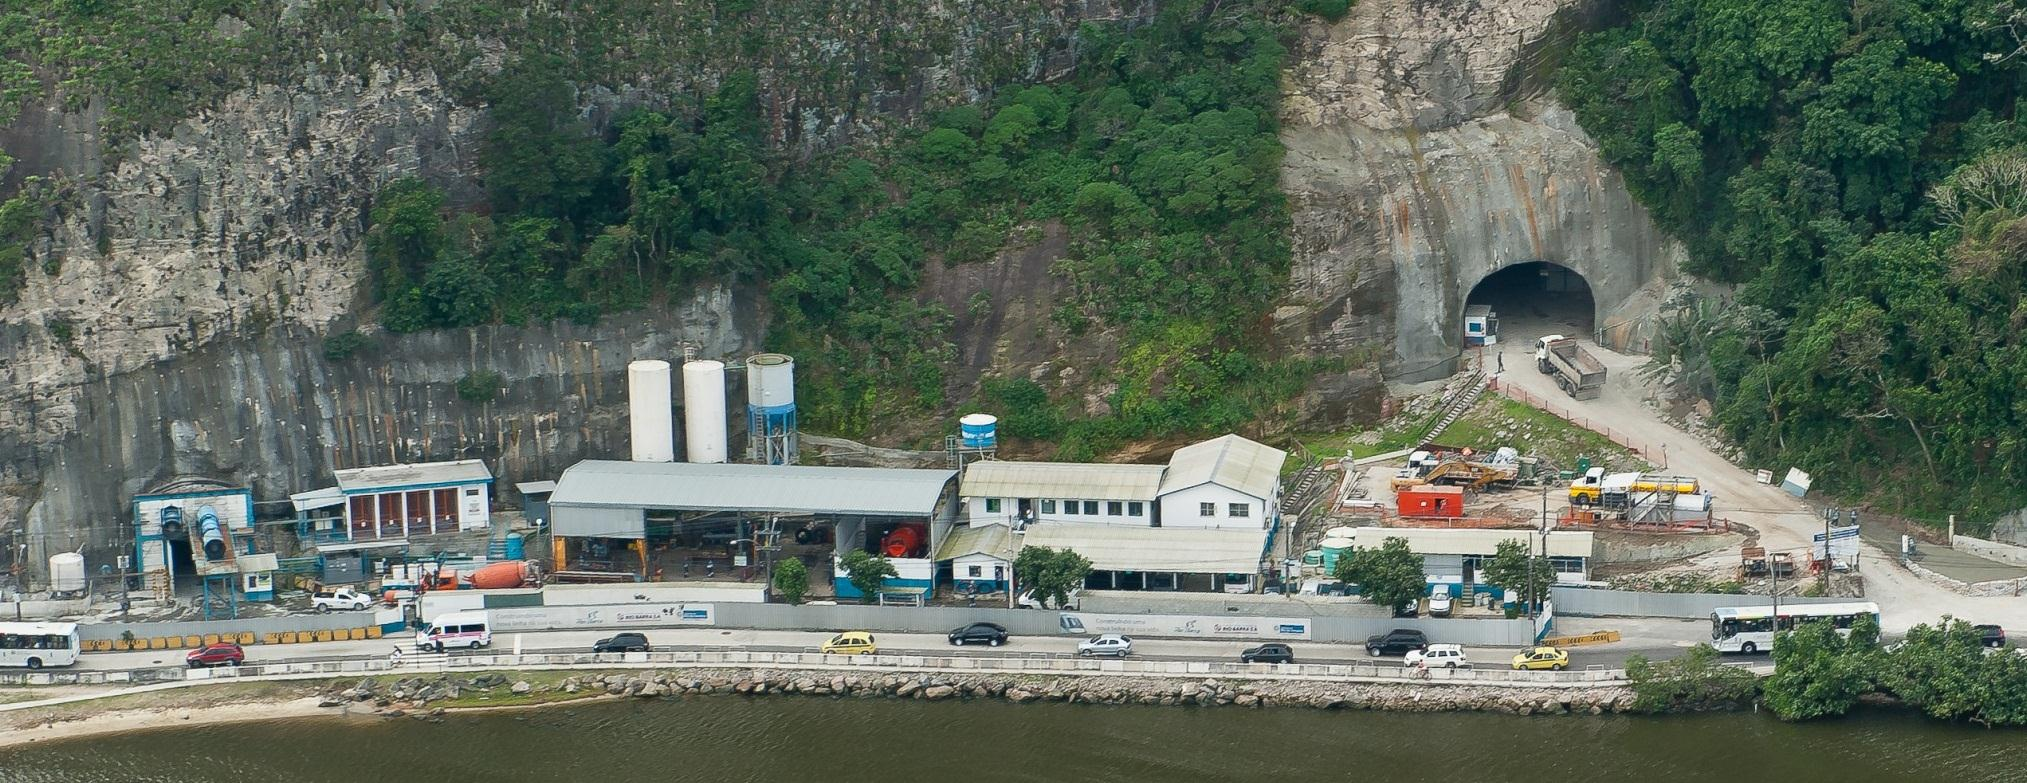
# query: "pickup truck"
[[341, 599]]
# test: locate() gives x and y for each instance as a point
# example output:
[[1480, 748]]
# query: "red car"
[[220, 654]]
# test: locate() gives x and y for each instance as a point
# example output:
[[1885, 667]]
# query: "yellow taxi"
[[851, 643], [1552, 658]]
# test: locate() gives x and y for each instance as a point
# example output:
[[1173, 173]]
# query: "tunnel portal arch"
[[1534, 298]]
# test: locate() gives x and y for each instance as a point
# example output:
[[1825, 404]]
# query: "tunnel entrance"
[[1533, 299]]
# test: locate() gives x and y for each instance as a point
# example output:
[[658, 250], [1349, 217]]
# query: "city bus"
[[1750, 629], [36, 645]]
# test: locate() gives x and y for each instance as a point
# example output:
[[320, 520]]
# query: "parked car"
[[220, 654], [979, 633], [622, 642], [1324, 587], [1438, 656], [1107, 644], [851, 643], [1395, 642], [1409, 609], [1439, 605], [341, 599], [1273, 652], [1551, 658], [1991, 635], [1027, 600]]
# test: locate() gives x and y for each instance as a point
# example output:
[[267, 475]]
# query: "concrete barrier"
[[1990, 550]]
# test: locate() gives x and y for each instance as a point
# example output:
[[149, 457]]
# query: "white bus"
[[36, 645], [1750, 629]]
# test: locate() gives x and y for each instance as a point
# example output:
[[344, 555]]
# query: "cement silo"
[[704, 410], [770, 409], [650, 409]]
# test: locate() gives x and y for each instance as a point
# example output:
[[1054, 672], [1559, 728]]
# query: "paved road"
[[808, 641]]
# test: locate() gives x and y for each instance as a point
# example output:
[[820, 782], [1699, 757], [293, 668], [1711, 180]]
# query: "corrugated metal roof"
[[354, 546], [535, 487], [253, 564], [1073, 480], [1474, 541], [1132, 548], [994, 540], [735, 487], [1231, 461], [464, 471], [318, 498]]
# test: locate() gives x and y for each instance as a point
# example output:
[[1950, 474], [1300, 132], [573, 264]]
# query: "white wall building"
[[1229, 482], [1016, 493]]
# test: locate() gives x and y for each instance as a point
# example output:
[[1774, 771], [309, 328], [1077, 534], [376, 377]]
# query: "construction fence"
[[1594, 602]]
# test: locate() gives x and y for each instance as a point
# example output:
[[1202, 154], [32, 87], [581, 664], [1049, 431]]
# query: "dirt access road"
[[1784, 522]]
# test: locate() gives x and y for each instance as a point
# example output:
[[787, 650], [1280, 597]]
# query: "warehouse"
[[1150, 558], [400, 501], [650, 517], [1016, 493], [1452, 557]]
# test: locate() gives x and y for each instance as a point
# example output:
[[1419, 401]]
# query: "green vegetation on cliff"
[[1856, 170], [1159, 158]]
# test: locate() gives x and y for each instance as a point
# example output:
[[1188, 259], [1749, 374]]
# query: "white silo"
[[704, 410], [650, 409], [66, 573], [770, 408]]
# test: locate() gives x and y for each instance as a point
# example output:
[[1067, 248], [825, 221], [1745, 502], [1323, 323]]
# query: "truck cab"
[[1585, 489], [1541, 353]]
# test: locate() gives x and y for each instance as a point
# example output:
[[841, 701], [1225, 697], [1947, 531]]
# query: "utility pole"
[[1774, 592], [1828, 516]]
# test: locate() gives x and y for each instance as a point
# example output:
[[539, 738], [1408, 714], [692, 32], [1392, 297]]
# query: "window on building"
[[992, 505], [1090, 508], [1135, 508], [1241, 510], [974, 571], [1567, 565], [1048, 506], [1069, 507], [1115, 508], [1206, 509]]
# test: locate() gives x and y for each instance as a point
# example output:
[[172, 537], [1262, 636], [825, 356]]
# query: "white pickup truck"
[[341, 599]]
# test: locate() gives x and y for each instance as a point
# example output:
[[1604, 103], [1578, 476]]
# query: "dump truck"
[[1579, 373], [1619, 490]]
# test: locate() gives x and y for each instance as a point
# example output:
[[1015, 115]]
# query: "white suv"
[[1438, 656], [1439, 605]]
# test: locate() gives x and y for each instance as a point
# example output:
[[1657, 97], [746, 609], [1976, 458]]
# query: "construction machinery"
[[1579, 374]]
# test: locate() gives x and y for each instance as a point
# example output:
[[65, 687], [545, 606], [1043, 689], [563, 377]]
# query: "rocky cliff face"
[[172, 322], [1423, 155]]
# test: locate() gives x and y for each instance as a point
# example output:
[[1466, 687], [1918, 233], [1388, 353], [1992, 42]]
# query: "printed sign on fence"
[[537, 618], [1197, 626]]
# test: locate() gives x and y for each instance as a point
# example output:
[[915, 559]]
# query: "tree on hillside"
[[1050, 573], [1514, 568], [791, 580], [1818, 672], [866, 571], [1389, 576]]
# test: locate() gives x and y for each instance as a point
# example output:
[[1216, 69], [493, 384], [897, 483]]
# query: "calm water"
[[723, 739]]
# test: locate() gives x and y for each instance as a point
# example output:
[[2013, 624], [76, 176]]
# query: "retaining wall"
[[1990, 550], [1593, 602]]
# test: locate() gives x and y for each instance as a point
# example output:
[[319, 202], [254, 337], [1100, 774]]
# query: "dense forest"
[[1858, 171], [1159, 157]]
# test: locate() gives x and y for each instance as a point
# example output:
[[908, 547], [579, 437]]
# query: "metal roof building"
[[1082, 480], [1231, 462], [608, 498], [1174, 550], [420, 475], [994, 541]]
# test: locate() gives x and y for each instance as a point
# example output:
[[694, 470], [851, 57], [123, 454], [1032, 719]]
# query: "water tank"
[[704, 410], [1333, 550], [211, 532], [66, 572], [770, 381], [978, 431], [1341, 531], [651, 411]]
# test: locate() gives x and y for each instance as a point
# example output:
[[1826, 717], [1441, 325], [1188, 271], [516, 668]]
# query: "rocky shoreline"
[[424, 697]]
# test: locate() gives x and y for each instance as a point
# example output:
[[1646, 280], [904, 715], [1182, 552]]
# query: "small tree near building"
[[1509, 570], [1389, 576], [791, 580], [1050, 573], [866, 571]]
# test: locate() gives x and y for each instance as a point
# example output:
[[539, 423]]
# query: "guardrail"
[[1029, 664]]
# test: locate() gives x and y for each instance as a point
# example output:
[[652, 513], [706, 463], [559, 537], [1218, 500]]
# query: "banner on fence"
[[1200, 626], [538, 618]]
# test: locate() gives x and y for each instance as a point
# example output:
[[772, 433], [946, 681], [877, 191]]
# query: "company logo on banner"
[[537, 618], [1195, 626]]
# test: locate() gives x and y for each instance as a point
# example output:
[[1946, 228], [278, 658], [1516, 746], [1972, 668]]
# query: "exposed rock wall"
[[1423, 156]]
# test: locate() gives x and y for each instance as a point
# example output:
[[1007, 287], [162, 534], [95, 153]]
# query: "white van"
[[456, 629]]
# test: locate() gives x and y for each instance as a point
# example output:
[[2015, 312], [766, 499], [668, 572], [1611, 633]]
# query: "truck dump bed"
[[1579, 373]]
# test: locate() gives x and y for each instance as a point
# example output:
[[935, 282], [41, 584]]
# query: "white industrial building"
[[1452, 557], [1201, 522]]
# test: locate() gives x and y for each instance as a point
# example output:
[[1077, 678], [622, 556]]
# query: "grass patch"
[[545, 691], [1395, 435], [190, 698], [1497, 421]]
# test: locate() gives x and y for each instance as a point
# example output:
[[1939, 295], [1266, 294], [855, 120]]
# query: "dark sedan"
[[1268, 653], [979, 633], [625, 642]]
